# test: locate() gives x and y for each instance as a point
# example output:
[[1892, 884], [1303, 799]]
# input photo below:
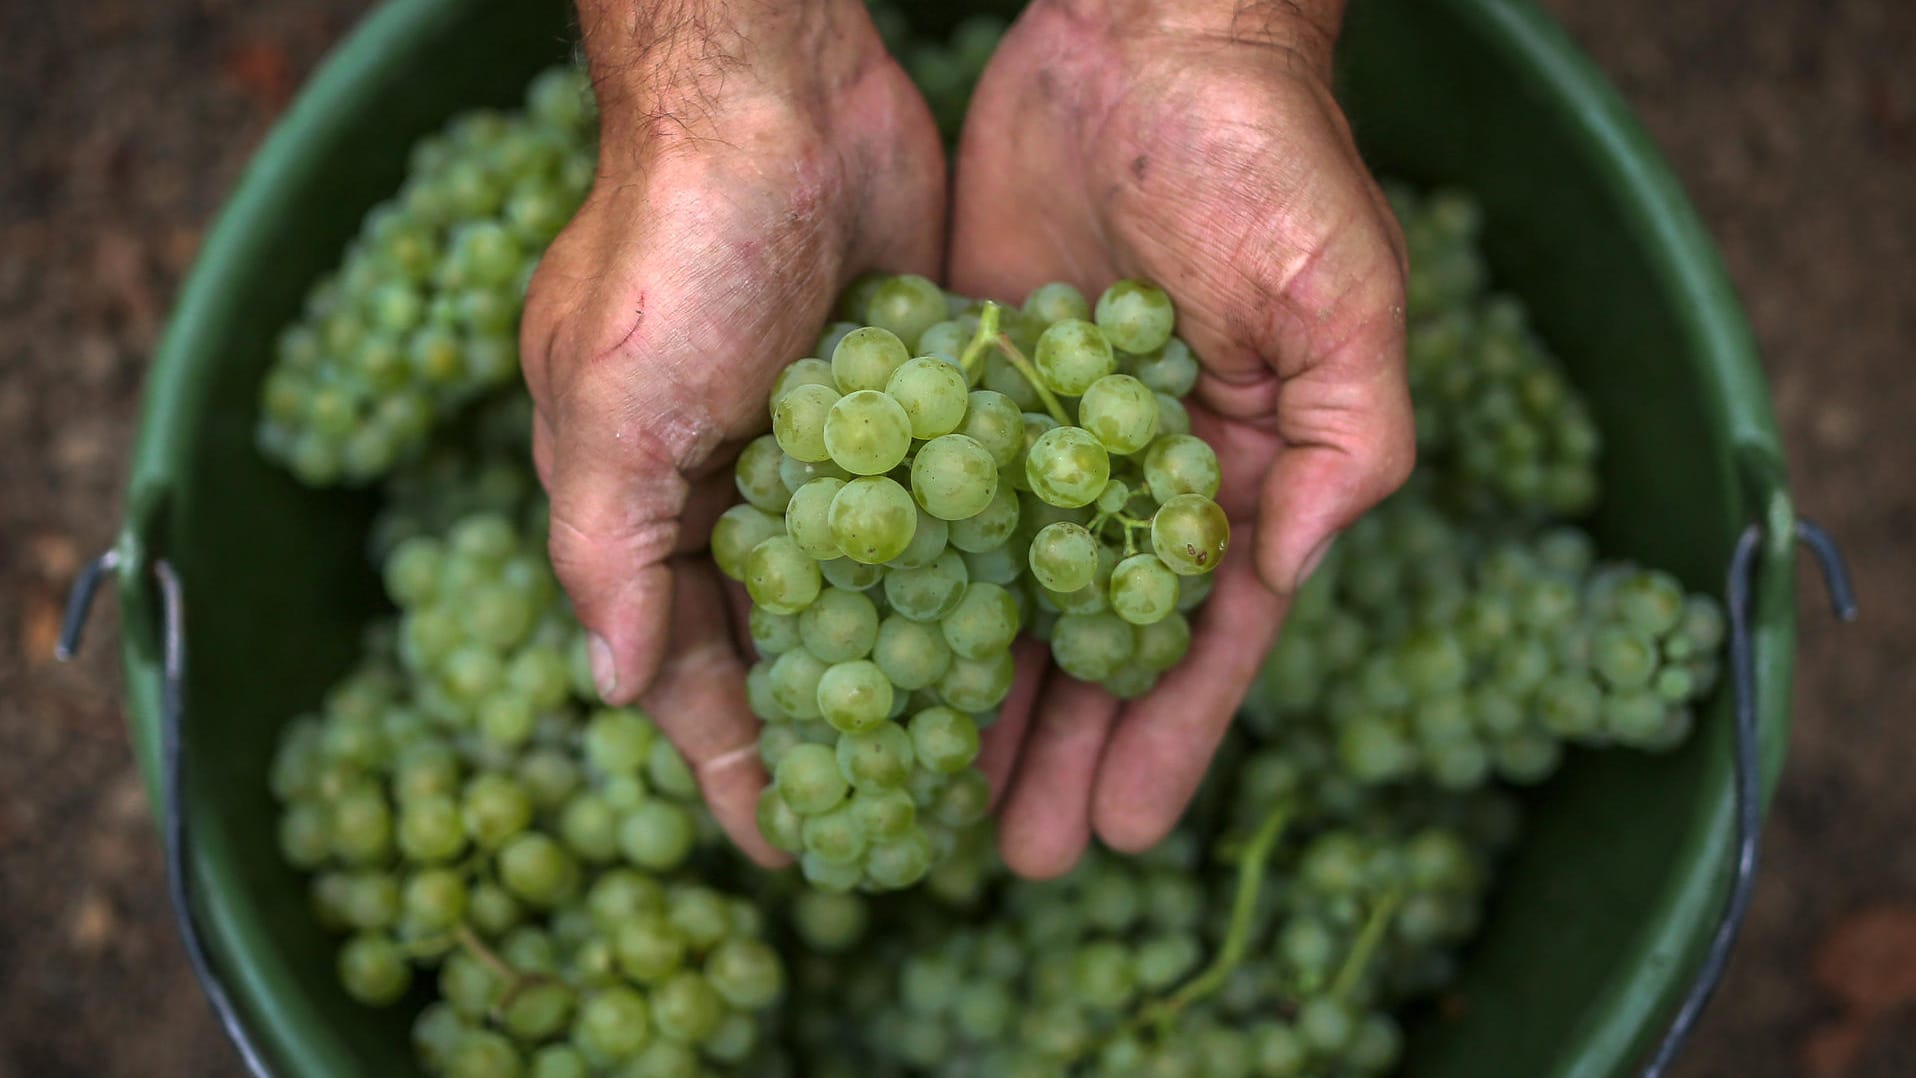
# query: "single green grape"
[[773, 634], [1091, 647], [657, 835], [1063, 556], [1181, 464], [1067, 467], [1136, 316], [984, 622], [995, 422], [1190, 533], [1143, 590], [835, 837], [798, 420], [1072, 354], [943, 739], [1162, 643], [928, 540], [612, 1023], [876, 757], [953, 477], [777, 822], [866, 432], [737, 531], [990, 527], [536, 869], [946, 340], [1120, 412], [1171, 370], [794, 683], [872, 520], [839, 626], [930, 592], [746, 973], [779, 574], [1056, 302], [756, 475], [809, 780], [373, 969], [865, 359], [913, 654], [933, 395], [899, 863], [907, 305], [976, 685], [854, 695], [885, 814]]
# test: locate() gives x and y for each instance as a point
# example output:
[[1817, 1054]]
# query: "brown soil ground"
[[124, 122]]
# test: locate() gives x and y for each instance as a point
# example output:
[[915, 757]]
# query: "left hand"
[[1194, 143]]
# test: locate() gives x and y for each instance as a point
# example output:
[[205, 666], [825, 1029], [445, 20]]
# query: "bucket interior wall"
[[278, 582]]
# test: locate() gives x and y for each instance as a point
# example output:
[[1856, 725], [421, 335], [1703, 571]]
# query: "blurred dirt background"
[[123, 123]]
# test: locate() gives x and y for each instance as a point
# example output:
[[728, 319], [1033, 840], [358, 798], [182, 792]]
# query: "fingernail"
[[1314, 559], [605, 672]]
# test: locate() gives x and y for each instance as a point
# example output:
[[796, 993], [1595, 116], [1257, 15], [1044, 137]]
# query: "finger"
[[999, 744], [1046, 822], [1349, 441], [615, 520], [1164, 741], [699, 702]]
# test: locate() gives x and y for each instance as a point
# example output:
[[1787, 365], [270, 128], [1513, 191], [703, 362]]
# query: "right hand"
[[739, 190]]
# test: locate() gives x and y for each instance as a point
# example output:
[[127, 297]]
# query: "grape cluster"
[[901, 524], [466, 809], [1450, 654], [1281, 951], [1496, 416], [423, 314]]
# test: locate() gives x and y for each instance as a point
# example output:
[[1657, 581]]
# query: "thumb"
[[616, 496], [1345, 424]]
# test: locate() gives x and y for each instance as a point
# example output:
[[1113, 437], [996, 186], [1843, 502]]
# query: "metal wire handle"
[[1749, 779], [179, 874], [1748, 782]]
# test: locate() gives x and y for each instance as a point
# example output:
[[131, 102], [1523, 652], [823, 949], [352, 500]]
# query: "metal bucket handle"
[[1748, 785]]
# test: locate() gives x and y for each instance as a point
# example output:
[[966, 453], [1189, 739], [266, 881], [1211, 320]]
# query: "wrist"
[[694, 69]]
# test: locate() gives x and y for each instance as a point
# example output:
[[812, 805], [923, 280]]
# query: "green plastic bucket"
[[1604, 913]]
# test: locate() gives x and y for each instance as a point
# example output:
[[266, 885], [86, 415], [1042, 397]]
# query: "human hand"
[[1194, 143], [752, 159]]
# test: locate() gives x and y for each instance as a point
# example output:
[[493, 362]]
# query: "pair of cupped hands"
[[755, 157]]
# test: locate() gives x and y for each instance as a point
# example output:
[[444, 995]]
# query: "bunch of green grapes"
[[423, 314], [1448, 654], [915, 506], [1495, 412], [541, 887]]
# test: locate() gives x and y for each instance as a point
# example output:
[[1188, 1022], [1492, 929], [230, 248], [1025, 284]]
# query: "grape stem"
[[1030, 375], [1237, 937], [1368, 939], [974, 353], [516, 982]]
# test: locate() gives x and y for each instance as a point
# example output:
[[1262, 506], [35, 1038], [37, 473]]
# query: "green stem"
[[1368, 938], [1030, 375], [974, 353], [1250, 881], [516, 982]]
